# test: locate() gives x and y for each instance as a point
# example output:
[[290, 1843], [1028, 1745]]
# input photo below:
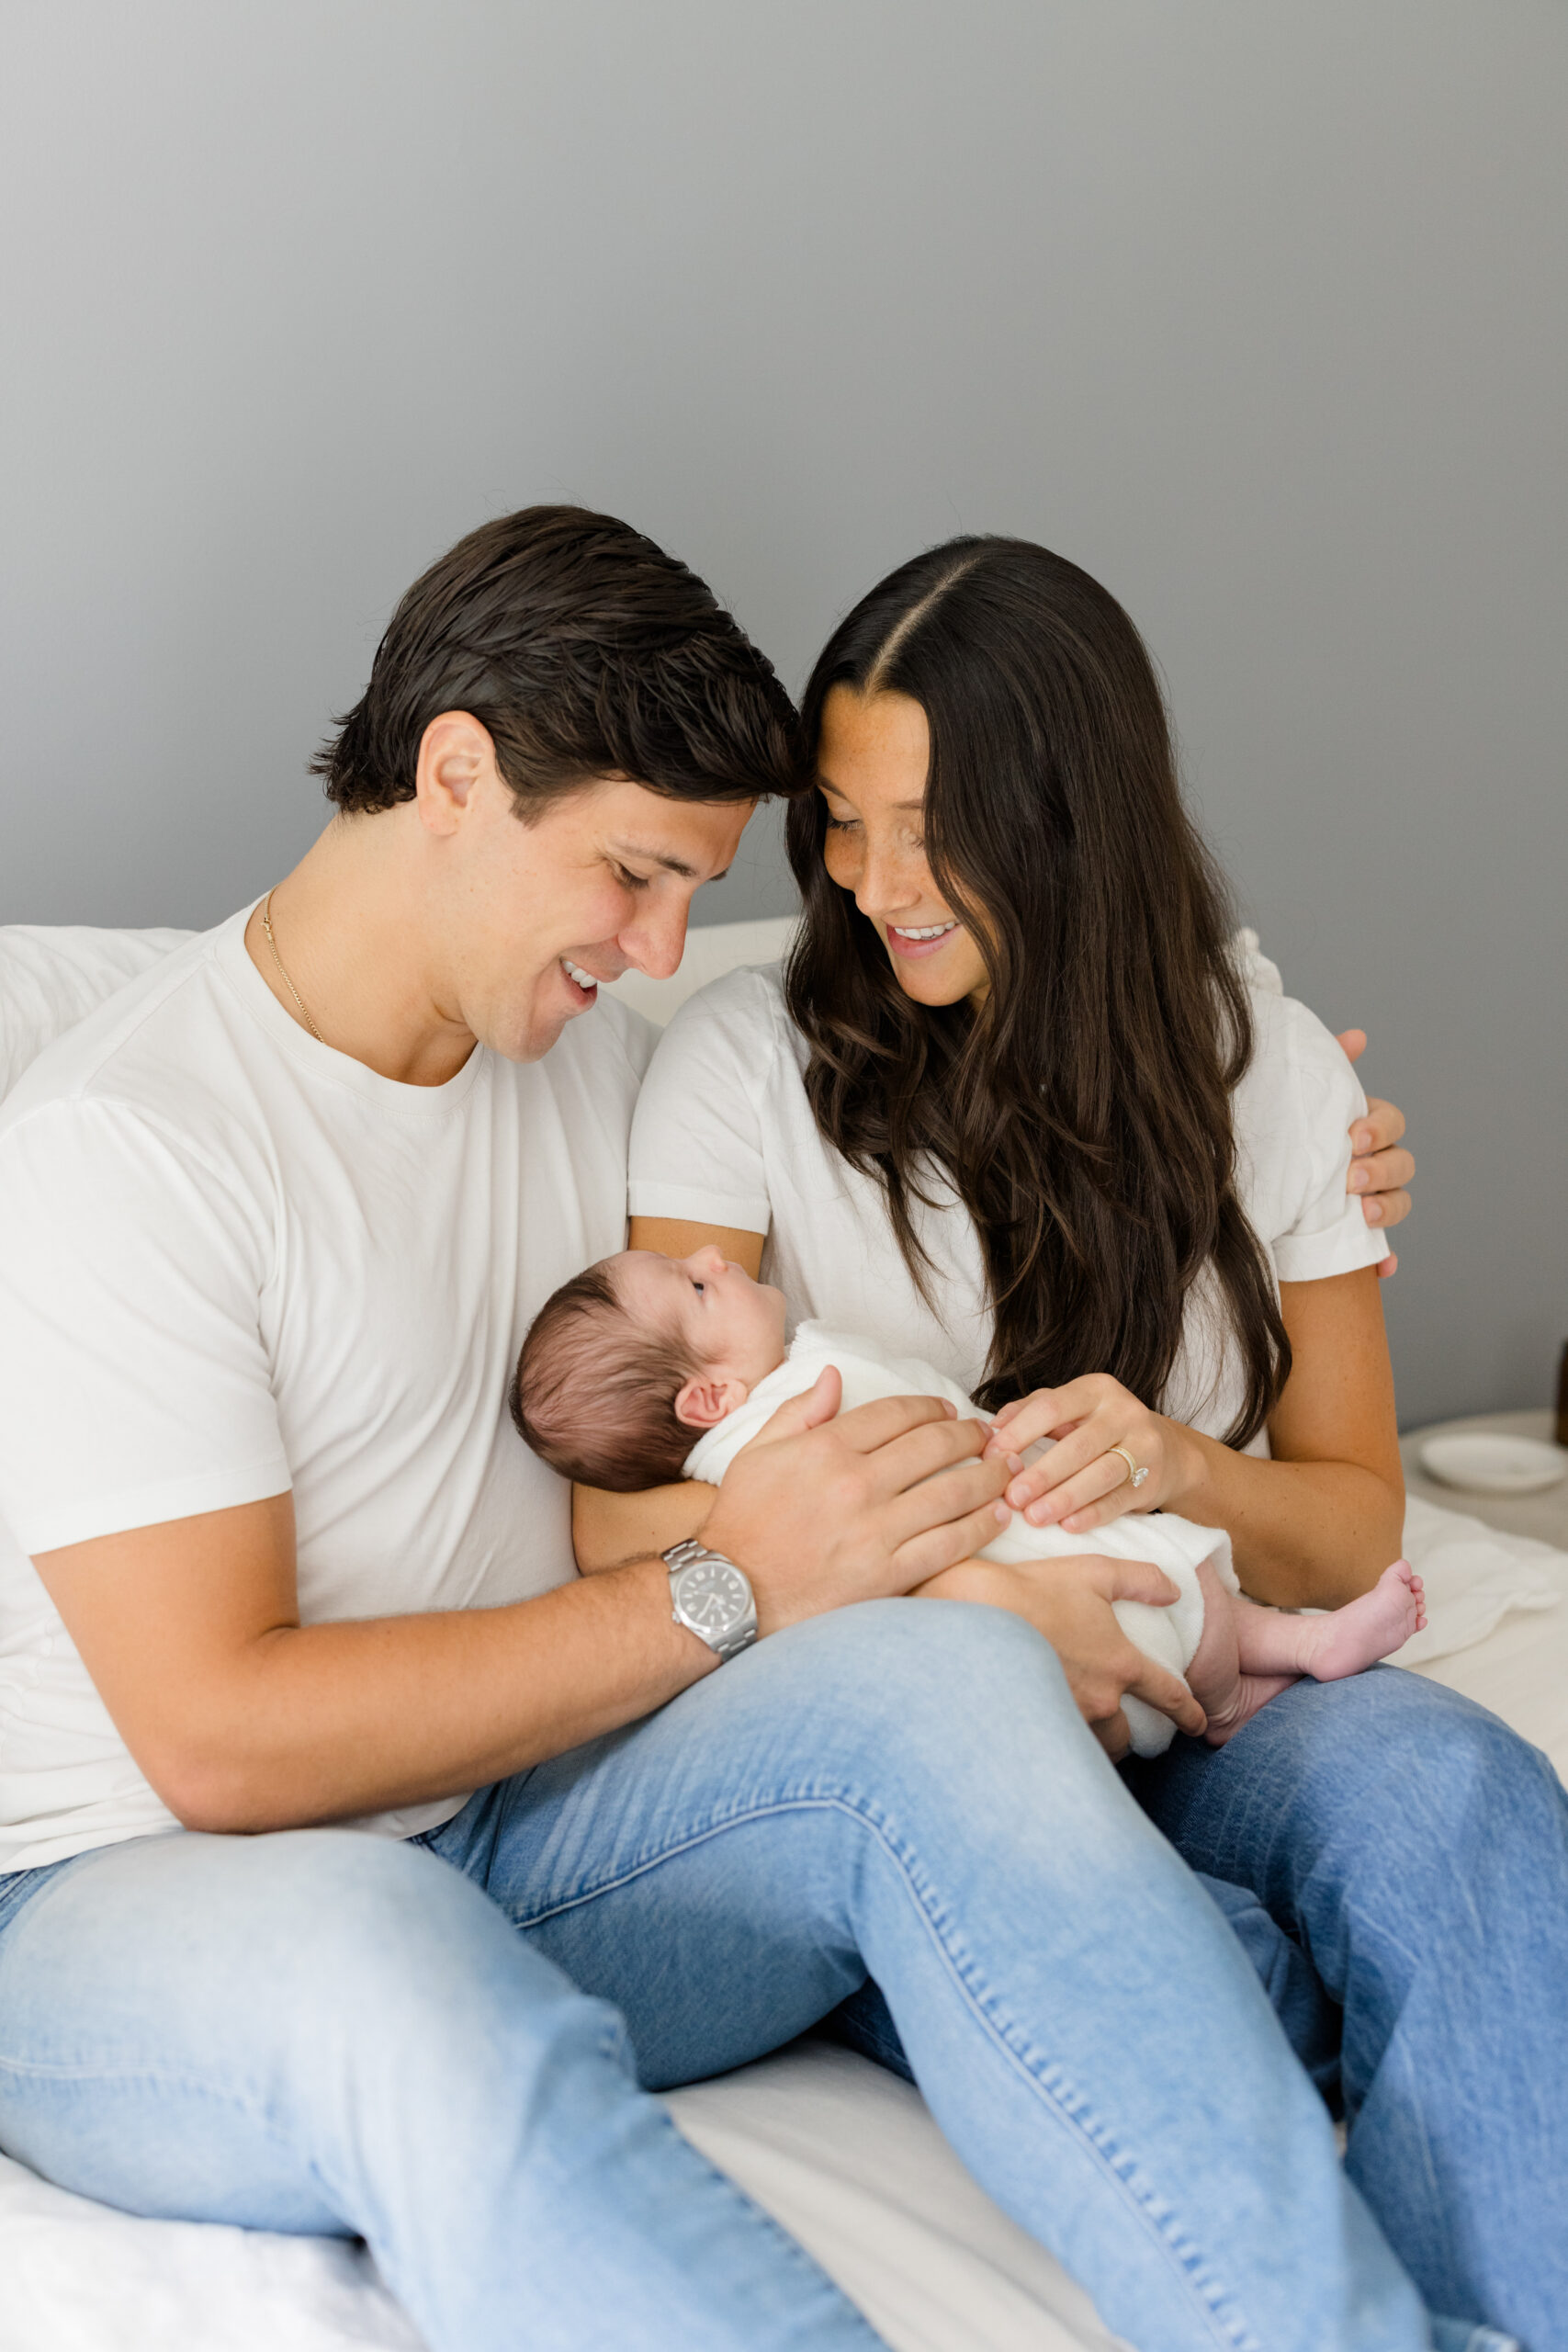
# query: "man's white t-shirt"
[[234, 1263], [724, 1134]]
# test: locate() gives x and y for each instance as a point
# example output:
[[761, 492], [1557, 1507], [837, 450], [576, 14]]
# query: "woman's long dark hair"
[[1082, 1114]]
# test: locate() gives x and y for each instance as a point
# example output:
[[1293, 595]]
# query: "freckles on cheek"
[[839, 867]]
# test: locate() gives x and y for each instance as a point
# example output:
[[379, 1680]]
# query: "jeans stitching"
[[1047, 2082], [157, 2079]]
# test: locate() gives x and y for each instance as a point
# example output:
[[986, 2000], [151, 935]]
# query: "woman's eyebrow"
[[903, 806], [662, 857]]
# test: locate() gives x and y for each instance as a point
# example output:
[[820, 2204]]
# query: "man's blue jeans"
[[323, 2031]]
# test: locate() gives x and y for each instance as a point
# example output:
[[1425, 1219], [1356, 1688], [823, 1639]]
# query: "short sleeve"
[[1326, 1232], [698, 1145], [134, 1383]]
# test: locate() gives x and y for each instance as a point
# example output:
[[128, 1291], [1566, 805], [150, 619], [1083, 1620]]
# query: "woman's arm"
[[677, 1237], [1311, 1528], [607, 1529], [1320, 1523]]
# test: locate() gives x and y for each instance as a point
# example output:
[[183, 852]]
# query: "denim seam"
[[238, 2102], [1046, 2083], [37, 2070]]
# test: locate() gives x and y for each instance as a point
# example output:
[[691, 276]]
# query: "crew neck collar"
[[324, 1062]]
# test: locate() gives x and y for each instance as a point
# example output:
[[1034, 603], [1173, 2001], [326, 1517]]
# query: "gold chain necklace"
[[283, 974]]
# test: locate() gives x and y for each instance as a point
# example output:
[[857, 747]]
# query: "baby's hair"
[[594, 1395]]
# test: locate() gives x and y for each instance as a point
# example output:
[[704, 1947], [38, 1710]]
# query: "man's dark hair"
[[586, 652]]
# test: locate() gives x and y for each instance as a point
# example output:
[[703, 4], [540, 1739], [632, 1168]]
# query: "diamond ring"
[[1137, 1474]]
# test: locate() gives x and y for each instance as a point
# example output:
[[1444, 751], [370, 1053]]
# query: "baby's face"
[[733, 1326]]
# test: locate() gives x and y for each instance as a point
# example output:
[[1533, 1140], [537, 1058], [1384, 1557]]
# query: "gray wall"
[[1255, 306]]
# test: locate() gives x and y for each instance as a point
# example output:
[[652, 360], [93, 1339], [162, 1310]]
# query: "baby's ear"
[[706, 1399]]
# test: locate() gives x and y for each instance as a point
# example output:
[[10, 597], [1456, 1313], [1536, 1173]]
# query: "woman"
[[1015, 1107]]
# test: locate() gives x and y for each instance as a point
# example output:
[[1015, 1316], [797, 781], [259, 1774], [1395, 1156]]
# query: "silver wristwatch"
[[712, 1598]]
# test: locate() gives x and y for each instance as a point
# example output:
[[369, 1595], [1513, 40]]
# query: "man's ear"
[[456, 755], [705, 1400]]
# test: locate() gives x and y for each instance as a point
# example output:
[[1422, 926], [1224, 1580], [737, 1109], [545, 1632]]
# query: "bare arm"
[[1320, 1523], [1314, 1526], [678, 1237], [241, 1718], [244, 1719]]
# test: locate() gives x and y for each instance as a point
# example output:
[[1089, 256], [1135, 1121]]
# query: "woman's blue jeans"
[[1406, 1857], [428, 2043]]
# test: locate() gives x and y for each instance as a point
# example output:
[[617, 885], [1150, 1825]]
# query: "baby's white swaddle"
[[1168, 1636]]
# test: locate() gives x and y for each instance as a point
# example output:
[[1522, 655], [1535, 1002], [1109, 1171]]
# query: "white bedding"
[[843, 2154]]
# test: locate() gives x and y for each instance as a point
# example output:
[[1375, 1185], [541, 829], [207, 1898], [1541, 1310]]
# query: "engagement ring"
[[1137, 1474]]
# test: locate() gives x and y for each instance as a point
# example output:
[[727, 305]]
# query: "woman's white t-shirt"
[[723, 1135]]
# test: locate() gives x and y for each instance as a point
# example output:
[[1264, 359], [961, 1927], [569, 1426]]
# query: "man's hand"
[[1379, 1172], [823, 1508], [1069, 1602]]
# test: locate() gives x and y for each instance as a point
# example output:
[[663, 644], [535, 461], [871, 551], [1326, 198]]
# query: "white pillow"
[[711, 951], [51, 975]]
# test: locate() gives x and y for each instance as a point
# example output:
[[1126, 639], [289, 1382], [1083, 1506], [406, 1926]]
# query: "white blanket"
[[1473, 1577]]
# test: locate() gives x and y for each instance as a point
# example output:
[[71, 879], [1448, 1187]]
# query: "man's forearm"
[[320, 1723], [242, 1719]]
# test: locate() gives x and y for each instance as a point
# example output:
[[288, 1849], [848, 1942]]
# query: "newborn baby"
[[646, 1369]]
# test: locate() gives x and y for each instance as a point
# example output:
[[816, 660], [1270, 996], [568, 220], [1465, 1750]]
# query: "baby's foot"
[[1363, 1631]]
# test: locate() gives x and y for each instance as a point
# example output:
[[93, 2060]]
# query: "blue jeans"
[[1412, 1855], [319, 2030]]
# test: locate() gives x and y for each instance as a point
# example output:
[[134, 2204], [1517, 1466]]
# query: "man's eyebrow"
[[662, 857]]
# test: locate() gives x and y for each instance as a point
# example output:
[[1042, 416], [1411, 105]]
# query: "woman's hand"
[[1379, 1172], [1069, 1602], [1081, 1483]]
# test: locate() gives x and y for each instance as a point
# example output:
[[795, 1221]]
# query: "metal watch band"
[[735, 1628]]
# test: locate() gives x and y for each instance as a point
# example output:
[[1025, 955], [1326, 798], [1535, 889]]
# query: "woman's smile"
[[925, 939], [873, 756]]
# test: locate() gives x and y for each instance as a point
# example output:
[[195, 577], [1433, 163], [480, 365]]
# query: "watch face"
[[714, 1596]]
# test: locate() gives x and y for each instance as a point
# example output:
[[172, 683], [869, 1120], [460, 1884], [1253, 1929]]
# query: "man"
[[277, 1218]]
